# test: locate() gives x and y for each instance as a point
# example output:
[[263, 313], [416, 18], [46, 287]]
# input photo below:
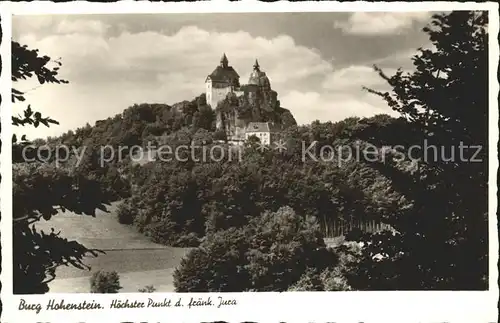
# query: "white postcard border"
[[258, 307]]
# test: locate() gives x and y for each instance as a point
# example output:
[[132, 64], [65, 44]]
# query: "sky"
[[317, 62]]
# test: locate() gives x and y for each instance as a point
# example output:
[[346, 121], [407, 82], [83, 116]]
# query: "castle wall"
[[219, 121], [215, 94], [239, 133], [252, 102], [208, 91]]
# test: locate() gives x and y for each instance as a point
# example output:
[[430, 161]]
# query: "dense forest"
[[258, 222]]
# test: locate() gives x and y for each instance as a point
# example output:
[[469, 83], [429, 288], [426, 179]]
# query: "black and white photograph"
[[251, 152]]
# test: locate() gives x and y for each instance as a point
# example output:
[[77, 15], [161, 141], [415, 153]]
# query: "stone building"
[[220, 82], [236, 105], [262, 130]]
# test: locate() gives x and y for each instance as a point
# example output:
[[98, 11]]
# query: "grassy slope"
[[139, 261]]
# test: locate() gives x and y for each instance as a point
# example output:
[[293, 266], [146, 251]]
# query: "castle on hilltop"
[[224, 79], [238, 106]]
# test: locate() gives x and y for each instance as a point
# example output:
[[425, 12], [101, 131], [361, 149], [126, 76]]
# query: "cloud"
[[401, 59], [73, 48], [23, 24], [110, 72], [309, 106], [68, 26], [354, 78], [398, 59], [381, 23], [191, 50]]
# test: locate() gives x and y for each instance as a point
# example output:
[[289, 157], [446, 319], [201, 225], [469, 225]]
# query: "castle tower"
[[256, 66], [220, 82], [223, 61], [259, 78]]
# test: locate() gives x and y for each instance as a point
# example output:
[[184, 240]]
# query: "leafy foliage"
[[248, 216], [147, 289], [125, 213], [27, 63], [436, 207], [104, 282], [188, 199], [270, 253], [441, 240], [41, 190]]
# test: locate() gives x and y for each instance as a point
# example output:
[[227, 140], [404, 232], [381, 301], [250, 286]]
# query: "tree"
[[104, 282], [441, 241], [202, 137], [220, 135], [125, 213], [25, 64], [270, 253], [147, 289], [204, 118], [41, 190]]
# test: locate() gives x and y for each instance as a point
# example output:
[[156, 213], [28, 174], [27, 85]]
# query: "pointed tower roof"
[[223, 60], [258, 77], [256, 65], [224, 73]]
